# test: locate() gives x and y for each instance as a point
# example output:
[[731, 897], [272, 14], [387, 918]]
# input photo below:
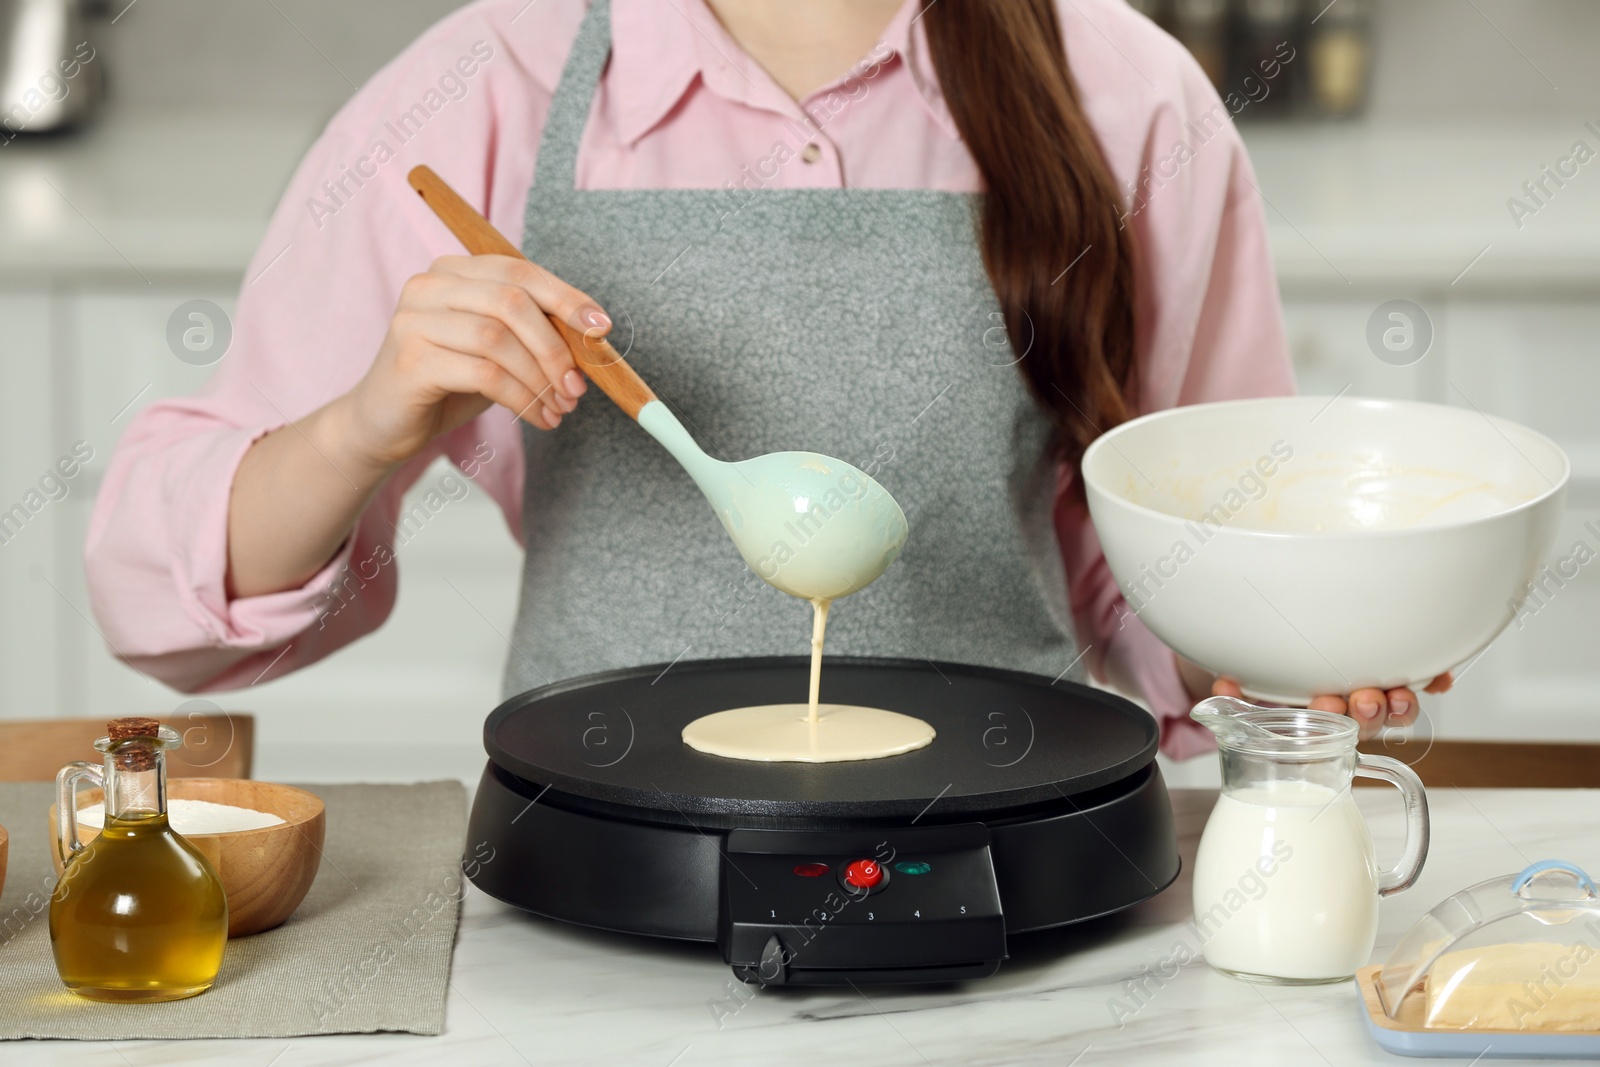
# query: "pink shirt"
[[680, 106]]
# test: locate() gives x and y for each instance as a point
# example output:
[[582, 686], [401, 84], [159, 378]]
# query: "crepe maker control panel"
[[912, 904]]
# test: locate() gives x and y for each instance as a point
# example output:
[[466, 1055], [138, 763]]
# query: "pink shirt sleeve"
[[1209, 324], [312, 312]]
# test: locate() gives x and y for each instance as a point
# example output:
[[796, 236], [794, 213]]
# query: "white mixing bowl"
[[1307, 545]]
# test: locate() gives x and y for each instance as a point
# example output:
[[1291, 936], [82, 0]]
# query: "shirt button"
[[811, 153]]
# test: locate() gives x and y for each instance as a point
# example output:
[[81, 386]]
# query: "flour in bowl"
[[196, 817]]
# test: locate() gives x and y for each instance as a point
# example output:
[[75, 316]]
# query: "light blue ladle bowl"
[[808, 524]]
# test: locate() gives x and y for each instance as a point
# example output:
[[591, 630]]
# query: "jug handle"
[[1404, 873], [67, 843]]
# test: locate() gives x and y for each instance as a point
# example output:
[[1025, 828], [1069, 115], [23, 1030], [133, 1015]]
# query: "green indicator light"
[[912, 867]]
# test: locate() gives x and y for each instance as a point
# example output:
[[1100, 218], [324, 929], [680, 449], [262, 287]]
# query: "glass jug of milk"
[[1286, 884]]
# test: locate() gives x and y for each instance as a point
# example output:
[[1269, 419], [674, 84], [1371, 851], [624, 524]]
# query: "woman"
[[768, 206]]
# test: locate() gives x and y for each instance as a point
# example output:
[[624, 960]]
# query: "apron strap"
[[557, 164]]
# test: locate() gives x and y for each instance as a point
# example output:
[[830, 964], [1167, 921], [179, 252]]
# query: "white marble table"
[[530, 992]]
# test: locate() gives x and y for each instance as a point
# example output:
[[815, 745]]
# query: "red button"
[[863, 874], [811, 870]]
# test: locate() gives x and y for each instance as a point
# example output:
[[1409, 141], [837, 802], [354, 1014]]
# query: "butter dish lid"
[[1518, 952]]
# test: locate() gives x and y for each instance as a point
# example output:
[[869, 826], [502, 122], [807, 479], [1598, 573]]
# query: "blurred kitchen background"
[[1388, 139]]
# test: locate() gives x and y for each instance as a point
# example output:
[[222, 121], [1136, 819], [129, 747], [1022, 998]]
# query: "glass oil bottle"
[[139, 914]]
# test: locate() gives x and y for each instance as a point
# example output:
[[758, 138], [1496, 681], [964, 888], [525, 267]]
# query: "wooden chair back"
[[218, 745], [1494, 764]]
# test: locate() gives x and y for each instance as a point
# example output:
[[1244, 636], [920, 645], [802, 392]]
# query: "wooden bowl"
[[265, 873]]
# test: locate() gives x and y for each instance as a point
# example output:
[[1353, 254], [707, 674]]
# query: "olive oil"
[[139, 913]]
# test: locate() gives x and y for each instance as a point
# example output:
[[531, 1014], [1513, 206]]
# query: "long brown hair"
[[1050, 198]]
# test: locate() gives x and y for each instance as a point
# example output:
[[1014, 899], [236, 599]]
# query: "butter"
[[1534, 986]]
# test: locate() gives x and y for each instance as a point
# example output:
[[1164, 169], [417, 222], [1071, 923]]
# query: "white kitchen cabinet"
[[1534, 361], [1541, 678], [29, 447], [1327, 339], [1537, 362], [120, 360]]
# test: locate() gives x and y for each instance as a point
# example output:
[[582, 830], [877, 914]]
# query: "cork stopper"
[[131, 745], [123, 729]]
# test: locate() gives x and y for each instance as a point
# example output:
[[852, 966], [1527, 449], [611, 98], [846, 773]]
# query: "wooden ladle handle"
[[593, 355]]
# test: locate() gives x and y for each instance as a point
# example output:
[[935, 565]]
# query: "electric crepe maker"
[[1038, 804]]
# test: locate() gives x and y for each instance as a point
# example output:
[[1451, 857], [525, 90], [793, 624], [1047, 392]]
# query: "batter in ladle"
[[807, 733]]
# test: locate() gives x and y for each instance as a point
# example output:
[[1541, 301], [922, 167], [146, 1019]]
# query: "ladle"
[[808, 524]]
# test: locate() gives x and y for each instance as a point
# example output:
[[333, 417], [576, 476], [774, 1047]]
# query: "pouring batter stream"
[[808, 733]]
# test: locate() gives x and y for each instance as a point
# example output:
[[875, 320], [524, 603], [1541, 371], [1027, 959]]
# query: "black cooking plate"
[[1005, 739]]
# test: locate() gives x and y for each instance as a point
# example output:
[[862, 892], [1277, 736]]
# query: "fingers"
[[458, 372], [1402, 707], [1329, 702], [512, 322], [1226, 687], [491, 339], [1440, 684], [509, 314], [1369, 725], [553, 296], [1373, 709], [1369, 707], [496, 321]]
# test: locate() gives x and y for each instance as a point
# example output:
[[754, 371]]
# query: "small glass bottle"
[[1202, 27], [1265, 74], [1341, 58], [139, 913]]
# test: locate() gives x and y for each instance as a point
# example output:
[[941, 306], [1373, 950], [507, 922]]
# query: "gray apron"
[[856, 323]]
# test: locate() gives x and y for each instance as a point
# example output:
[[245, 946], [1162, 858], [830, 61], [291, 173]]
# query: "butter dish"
[[1509, 967]]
